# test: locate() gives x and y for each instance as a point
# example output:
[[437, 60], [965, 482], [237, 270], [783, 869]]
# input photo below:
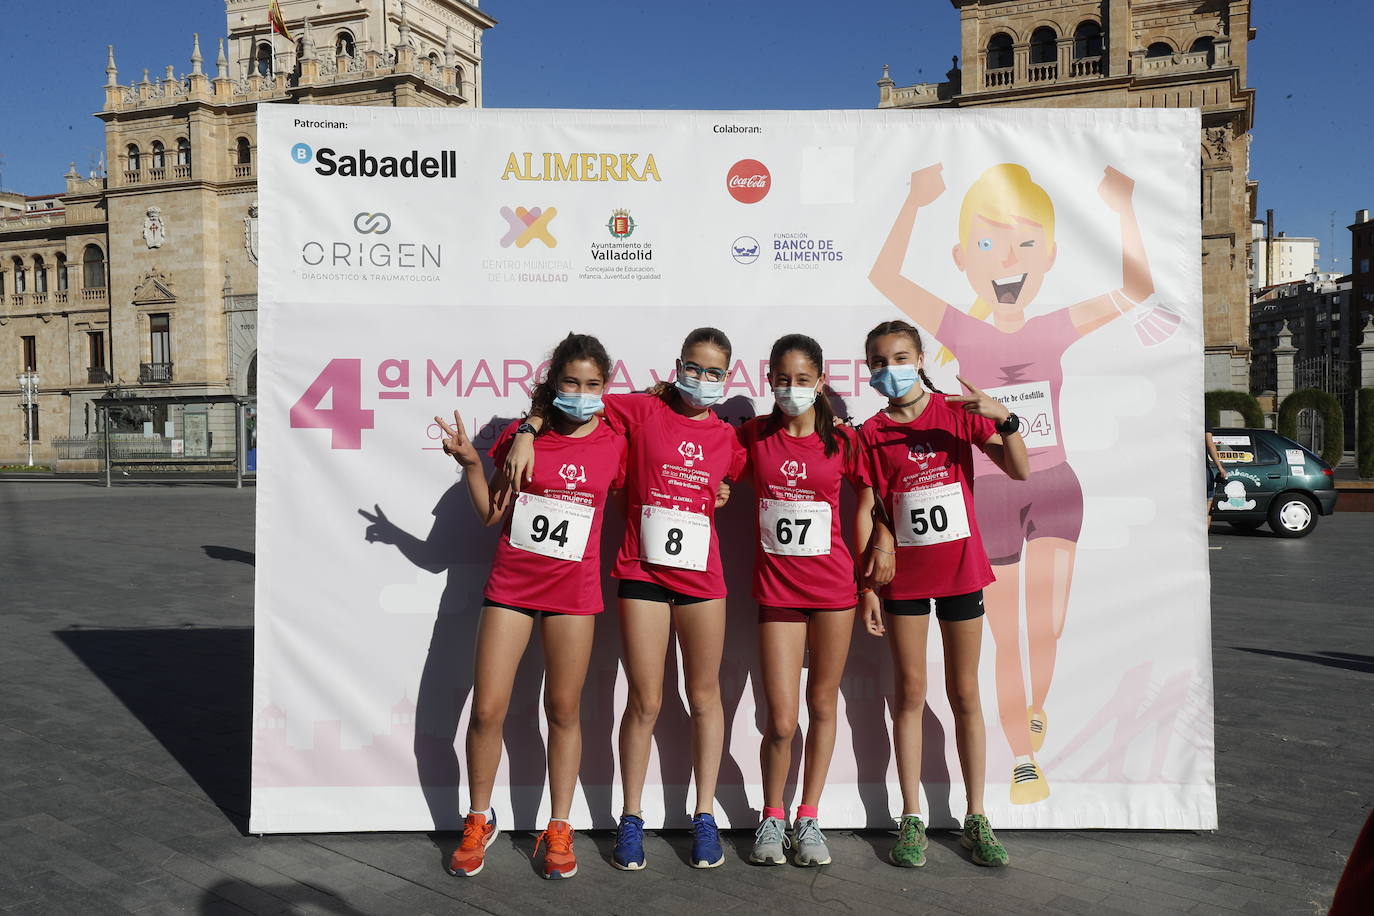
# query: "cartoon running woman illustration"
[[1005, 248]]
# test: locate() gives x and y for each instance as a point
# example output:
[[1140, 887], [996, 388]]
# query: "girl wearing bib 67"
[[547, 570], [670, 575], [804, 583], [919, 451]]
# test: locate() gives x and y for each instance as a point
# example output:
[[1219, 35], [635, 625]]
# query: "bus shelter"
[[204, 432]]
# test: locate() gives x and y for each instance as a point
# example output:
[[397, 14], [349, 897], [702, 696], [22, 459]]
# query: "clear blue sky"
[[1312, 140]]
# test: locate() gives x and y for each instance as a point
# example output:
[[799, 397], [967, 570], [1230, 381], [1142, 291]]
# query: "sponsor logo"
[[745, 249], [372, 223], [524, 226], [793, 470], [921, 453], [572, 475], [748, 181], [799, 251], [621, 225], [362, 164], [691, 452], [580, 167]]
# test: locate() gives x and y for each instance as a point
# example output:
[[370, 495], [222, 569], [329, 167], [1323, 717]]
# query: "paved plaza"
[[124, 736]]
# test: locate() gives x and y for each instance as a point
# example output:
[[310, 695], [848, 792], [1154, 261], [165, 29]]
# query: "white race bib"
[[671, 537], [1031, 402], [794, 528], [933, 515], [551, 527]]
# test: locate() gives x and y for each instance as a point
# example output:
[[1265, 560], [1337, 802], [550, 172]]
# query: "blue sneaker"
[[706, 849], [629, 843]]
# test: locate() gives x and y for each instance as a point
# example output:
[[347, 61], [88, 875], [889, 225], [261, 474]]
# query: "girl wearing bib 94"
[[670, 574], [919, 451], [804, 583], [547, 568]]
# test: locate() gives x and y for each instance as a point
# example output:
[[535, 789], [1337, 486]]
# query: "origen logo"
[[524, 226], [748, 181], [302, 152], [372, 223]]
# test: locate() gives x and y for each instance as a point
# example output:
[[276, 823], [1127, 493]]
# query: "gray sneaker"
[[810, 843], [769, 842]]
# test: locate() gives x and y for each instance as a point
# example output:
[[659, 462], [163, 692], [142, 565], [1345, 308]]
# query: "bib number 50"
[[933, 515]]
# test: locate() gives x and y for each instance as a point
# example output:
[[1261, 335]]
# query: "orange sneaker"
[[559, 860], [467, 860]]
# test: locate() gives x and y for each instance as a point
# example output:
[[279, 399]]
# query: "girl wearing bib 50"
[[547, 568], [919, 451], [804, 583], [670, 575]]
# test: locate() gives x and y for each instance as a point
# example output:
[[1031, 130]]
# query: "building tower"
[[1130, 54]]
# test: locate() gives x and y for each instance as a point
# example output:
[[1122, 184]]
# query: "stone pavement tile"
[[51, 893]]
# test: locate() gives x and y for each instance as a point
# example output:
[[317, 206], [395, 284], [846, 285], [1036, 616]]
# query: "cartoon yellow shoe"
[[1039, 722], [1028, 783]]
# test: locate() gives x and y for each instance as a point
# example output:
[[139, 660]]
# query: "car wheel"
[[1292, 515], [1250, 525]]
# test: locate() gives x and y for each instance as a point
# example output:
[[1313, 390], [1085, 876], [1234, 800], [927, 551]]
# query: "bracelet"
[[884, 550], [862, 592]]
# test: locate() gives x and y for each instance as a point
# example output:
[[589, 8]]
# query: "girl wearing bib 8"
[[919, 451], [804, 583], [670, 574], [547, 568]]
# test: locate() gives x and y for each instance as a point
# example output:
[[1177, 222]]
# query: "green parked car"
[[1270, 478]]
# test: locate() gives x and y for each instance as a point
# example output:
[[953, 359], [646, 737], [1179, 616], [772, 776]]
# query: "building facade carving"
[[141, 276]]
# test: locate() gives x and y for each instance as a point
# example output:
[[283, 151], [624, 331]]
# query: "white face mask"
[[795, 401]]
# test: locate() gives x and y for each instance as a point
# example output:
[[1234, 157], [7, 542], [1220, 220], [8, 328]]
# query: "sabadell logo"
[[748, 181], [362, 164]]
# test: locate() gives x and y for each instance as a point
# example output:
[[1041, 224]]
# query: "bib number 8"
[[673, 546]]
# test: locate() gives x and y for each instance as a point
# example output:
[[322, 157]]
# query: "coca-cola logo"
[[748, 181]]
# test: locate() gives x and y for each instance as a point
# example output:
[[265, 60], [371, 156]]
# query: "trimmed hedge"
[[1241, 402], [1364, 432], [1333, 423]]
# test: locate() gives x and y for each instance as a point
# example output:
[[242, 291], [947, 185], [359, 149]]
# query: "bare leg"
[[701, 634], [644, 643], [828, 634], [1002, 602], [502, 635], [781, 649], [963, 640], [567, 649], [1049, 576], [907, 636]]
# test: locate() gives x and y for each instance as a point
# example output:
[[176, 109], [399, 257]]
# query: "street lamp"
[[28, 394]]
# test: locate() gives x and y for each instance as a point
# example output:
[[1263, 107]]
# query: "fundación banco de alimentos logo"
[[524, 226]]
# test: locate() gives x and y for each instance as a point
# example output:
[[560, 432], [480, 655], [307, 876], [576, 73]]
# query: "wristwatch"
[[526, 427], [1012, 424]]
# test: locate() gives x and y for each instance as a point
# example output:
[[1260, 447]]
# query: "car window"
[[1264, 455]]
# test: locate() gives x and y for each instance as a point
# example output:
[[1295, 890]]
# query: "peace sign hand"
[[457, 443], [979, 403]]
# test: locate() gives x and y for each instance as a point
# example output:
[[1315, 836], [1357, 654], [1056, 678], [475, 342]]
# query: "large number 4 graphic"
[[342, 382]]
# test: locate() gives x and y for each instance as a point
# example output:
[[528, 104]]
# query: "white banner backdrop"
[[418, 260]]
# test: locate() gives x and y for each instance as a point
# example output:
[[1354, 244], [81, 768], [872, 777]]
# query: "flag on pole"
[[278, 23]]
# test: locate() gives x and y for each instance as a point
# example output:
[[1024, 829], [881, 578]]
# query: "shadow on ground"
[[1345, 660], [191, 687]]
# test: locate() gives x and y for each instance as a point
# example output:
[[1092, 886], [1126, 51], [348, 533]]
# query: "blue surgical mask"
[[699, 392], [894, 381], [579, 407]]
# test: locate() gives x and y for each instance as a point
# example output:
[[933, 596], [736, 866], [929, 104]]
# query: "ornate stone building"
[[143, 276], [1130, 54]]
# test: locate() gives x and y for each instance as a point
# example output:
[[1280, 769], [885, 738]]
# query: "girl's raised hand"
[[979, 402], [457, 443]]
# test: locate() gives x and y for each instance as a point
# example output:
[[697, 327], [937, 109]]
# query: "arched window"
[[61, 272], [999, 52], [243, 151], [1207, 45], [264, 59], [20, 285], [159, 155], [134, 158], [1159, 49], [434, 60], [40, 275], [343, 44], [1044, 46], [458, 78], [183, 151], [93, 267], [1087, 40]]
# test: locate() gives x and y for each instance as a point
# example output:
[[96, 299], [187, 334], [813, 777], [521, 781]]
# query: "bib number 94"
[[553, 528]]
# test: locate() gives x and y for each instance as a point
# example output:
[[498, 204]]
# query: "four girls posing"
[[917, 549]]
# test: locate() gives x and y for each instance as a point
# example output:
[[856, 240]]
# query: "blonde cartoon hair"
[[1002, 194]]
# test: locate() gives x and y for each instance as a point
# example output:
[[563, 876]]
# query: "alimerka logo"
[[524, 226], [580, 167]]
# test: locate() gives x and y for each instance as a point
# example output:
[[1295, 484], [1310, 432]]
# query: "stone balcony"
[[57, 298]]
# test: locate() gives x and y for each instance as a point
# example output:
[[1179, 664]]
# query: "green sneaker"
[[910, 851], [979, 839]]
